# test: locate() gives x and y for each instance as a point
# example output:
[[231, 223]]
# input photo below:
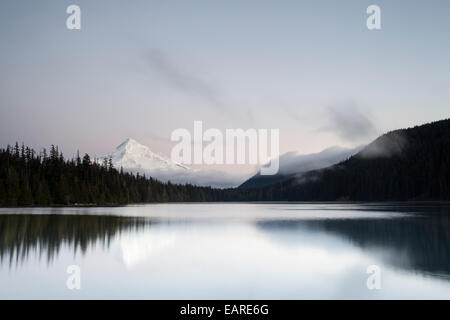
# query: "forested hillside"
[[407, 164]]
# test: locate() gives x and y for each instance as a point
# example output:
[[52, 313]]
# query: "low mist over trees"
[[407, 164]]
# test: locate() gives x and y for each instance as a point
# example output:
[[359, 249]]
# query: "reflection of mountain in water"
[[21, 235], [419, 243]]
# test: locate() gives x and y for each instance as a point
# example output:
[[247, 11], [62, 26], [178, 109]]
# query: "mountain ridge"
[[292, 164], [401, 165]]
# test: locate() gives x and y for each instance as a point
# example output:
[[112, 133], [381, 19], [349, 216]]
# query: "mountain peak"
[[128, 142], [136, 157]]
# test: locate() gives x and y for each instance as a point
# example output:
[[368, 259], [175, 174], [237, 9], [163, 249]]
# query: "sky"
[[142, 69]]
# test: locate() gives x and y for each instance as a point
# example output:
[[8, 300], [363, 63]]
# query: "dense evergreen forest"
[[407, 164], [402, 165], [28, 178]]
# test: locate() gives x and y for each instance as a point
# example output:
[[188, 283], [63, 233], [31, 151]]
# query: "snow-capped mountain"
[[136, 158], [133, 156]]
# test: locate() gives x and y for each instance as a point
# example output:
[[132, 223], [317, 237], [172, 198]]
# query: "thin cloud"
[[158, 138], [387, 145], [292, 162], [349, 123], [180, 79]]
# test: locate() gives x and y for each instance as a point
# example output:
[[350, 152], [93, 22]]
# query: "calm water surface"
[[227, 251]]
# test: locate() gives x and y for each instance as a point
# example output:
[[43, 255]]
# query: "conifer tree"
[[2, 194]]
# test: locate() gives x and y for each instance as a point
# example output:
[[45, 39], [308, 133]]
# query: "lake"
[[227, 251]]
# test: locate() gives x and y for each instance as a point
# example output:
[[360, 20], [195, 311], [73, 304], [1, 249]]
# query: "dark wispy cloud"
[[349, 122], [180, 78]]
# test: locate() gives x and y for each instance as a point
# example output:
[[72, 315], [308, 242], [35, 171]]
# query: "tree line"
[[407, 164], [45, 178]]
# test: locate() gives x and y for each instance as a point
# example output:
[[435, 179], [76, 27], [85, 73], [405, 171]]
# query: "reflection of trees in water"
[[21, 235], [417, 243]]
